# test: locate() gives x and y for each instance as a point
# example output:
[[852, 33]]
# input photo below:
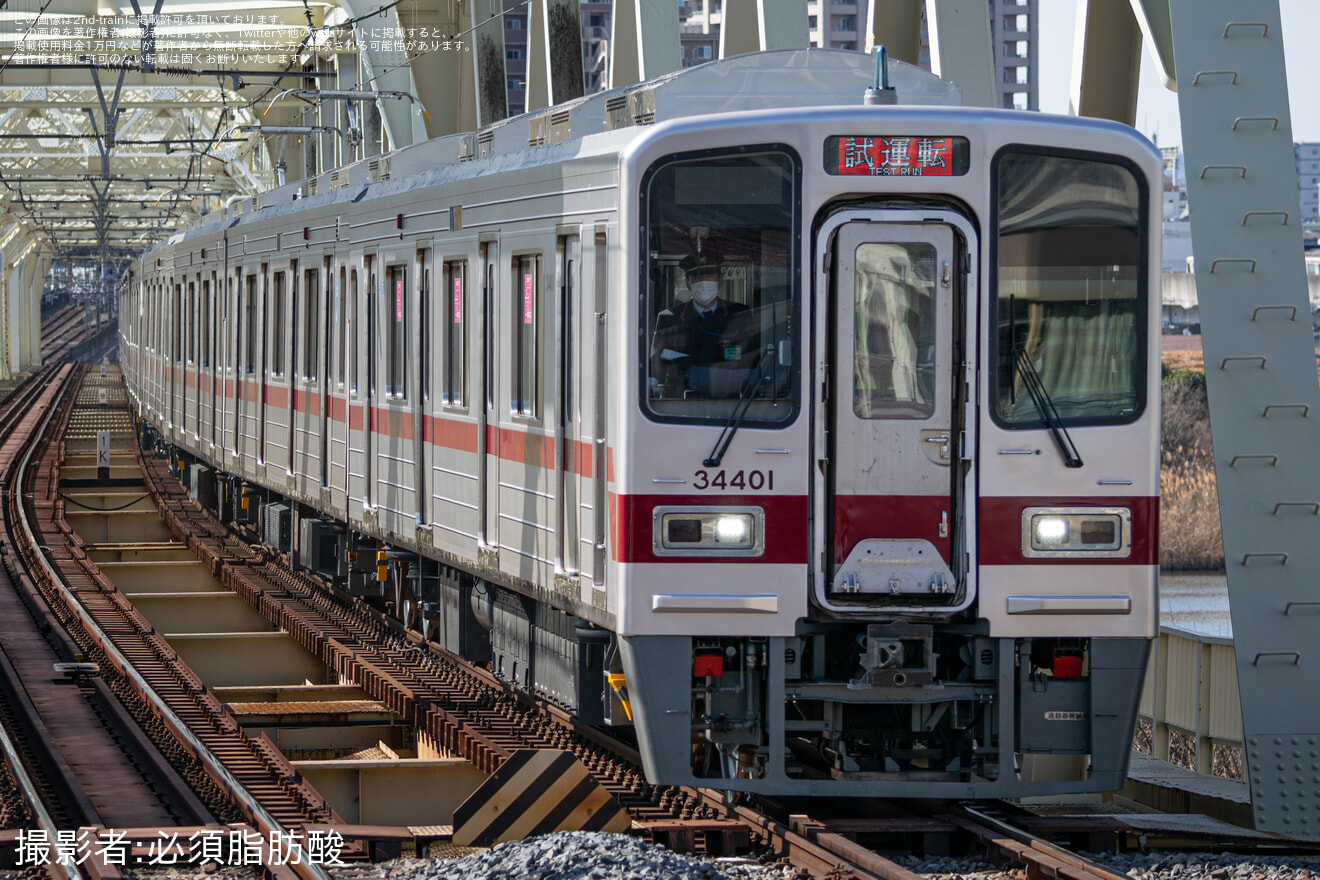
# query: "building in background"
[[841, 24], [1307, 156], [833, 24], [515, 54]]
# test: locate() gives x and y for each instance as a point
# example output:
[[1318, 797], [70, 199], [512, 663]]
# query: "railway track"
[[468, 712], [68, 734], [123, 745], [461, 709]]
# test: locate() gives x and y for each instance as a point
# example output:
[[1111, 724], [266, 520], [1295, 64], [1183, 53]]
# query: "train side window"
[[396, 324], [526, 340], [277, 332], [311, 304], [456, 354]]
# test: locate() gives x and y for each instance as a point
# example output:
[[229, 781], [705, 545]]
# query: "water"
[[1196, 601]]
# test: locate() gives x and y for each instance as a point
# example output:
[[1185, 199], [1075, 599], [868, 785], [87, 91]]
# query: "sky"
[[1157, 107]]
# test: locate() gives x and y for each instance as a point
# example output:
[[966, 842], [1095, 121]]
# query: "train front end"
[[887, 454]]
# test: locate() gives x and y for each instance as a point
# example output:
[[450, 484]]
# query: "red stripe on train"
[[786, 523], [914, 517], [1000, 529]]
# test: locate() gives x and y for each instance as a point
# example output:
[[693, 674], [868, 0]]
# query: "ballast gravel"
[[597, 856], [1141, 866], [569, 855]]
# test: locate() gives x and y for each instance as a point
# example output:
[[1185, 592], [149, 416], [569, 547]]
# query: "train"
[[806, 437]]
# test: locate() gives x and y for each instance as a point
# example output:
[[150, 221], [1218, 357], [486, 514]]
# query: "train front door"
[[894, 473]]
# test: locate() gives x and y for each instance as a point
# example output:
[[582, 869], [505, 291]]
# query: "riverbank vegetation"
[[1190, 538]]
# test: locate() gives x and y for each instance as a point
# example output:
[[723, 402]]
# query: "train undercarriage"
[[900, 707]]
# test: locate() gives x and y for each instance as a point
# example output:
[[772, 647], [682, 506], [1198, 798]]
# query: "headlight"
[[733, 528], [1077, 532], [1046, 530], [708, 531]]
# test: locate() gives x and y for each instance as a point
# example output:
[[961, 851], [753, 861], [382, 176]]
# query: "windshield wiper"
[[1045, 406], [740, 409]]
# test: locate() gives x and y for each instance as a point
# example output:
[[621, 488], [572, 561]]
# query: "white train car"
[[813, 441]]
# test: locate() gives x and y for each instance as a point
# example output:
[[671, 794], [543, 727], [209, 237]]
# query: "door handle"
[[936, 439]]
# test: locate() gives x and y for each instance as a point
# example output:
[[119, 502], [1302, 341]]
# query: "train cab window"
[[894, 336], [454, 391], [721, 286], [277, 332], [1070, 272], [311, 306], [396, 330], [526, 351]]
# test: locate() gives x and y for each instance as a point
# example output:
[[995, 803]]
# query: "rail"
[[1192, 688]]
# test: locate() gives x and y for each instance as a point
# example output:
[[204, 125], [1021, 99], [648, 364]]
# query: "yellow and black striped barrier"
[[537, 791]]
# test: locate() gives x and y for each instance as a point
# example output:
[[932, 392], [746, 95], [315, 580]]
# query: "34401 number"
[[752, 480]]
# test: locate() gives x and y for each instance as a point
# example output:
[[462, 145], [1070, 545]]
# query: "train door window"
[[206, 324], [326, 320], [424, 323], [190, 324], [373, 327], [253, 323], [1070, 275], [395, 322], [341, 324], [894, 330], [456, 356], [277, 331], [234, 291], [721, 287], [353, 345], [488, 322], [311, 313], [567, 342], [178, 324], [526, 321]]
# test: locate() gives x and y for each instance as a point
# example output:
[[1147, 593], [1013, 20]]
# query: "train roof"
[[780, 79]]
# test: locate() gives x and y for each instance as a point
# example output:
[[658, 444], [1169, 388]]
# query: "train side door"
[[421, 370], [488, 428], [337, 400], [568, 479], [355, 450], [894, 471]]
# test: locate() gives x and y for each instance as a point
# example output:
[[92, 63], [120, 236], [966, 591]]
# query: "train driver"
[[703, 345]]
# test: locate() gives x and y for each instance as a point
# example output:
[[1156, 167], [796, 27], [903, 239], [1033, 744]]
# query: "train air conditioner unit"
[[277, 529], [319, 548]]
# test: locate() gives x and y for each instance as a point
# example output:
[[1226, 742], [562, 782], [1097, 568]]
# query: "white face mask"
[[704, 293]]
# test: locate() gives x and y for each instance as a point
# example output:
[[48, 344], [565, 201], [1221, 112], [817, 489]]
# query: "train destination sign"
[[896, 155]]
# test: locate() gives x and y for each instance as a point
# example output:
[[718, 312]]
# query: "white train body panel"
[[836, 491]]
